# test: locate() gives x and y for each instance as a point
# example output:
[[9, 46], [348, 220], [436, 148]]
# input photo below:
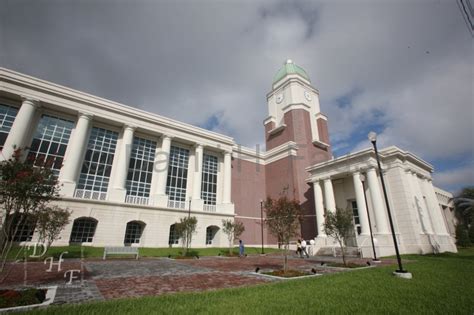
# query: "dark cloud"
[[210, 63]]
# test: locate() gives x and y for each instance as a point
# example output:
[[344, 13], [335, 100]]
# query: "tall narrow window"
[[95, 173], [173, 237], [140, 170], [209, 180], [50, 142], [355, 213], [177, 177], [210, 234], [133, 232], [7, 116]]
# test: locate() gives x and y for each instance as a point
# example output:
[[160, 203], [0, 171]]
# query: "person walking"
[[298, 248], [241, 249], [303, 249]]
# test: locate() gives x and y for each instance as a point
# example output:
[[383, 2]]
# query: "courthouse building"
[[128, 176]]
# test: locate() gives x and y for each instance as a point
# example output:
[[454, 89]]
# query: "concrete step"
[[329, 251]]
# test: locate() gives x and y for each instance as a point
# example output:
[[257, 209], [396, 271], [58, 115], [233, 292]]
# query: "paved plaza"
[[125, 278]]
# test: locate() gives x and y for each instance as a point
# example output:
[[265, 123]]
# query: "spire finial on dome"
[[288, 61]]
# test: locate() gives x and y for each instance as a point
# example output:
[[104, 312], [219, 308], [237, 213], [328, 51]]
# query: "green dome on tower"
[[290, 68]]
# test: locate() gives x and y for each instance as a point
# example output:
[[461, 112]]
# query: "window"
[[133, 232], [7, 116], [25, 227], [355, 213], [177, 175], [50, 142], [173, 238], [210, 233], [209, 179], [95, 173], [140, 170], [83, 230]]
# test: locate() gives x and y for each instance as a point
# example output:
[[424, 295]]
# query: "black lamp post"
[[189, 209], [373, 138], [261, 222], [362, 179]]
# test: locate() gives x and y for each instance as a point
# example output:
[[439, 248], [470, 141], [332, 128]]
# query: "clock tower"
[[296, 127]]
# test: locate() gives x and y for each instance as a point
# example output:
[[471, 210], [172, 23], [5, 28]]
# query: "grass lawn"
[[442, 284], [97, 252]]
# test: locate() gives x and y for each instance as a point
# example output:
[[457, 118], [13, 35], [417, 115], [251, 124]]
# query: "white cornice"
[[364, 159], [269, 119], [282, 151], [322, 116], [289, 80], [21, 84], [293, 106]]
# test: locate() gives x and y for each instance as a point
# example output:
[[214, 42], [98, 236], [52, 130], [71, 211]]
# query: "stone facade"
[[128, 176]]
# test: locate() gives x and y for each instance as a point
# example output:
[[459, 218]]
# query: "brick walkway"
[[157, 285], [122, 278]]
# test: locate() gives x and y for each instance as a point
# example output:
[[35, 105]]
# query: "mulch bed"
[[12, 298]]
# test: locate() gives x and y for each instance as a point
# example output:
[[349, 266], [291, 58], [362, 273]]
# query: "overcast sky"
[[402, 68]]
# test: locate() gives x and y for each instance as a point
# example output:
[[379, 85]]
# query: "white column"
[[381, 219], [361, 206], [163, 160], [75, 153], [19, 131], [123, 162], [226, 198], [421, 203], [434, 209], [197, 179], [318, 200], [161, 172], [329, 195]]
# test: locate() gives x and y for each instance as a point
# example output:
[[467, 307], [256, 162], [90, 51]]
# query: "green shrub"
[[471, 233], [462, 236]]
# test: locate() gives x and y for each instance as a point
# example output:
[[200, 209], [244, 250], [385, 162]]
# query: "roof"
[[290, 68]]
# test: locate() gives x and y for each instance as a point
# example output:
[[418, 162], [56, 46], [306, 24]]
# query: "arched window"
[[133, 232], [173, 238], [83, 230], [211, 233]]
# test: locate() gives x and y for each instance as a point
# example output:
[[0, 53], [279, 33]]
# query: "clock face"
[[279, 98], [307, 95]]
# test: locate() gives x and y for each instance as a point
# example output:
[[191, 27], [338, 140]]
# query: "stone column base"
[[197, 204], [67, 189], [160, 201]]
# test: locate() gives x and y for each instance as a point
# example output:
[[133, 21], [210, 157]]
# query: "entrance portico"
[[352, 182]]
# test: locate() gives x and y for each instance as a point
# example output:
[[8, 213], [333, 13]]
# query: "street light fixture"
[[261, 222], [362, 179], [400, 272]]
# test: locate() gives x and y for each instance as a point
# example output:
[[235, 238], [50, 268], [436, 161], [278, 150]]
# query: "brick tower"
[[296, 127]]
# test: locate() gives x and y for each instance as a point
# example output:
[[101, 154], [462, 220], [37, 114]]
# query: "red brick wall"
[[323, 130], [252, 182], [291, 171], [248, 188], [276, 139]]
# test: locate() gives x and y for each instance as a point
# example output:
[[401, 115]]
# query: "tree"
[[462, 236], [464, 211], [50, 222], [339, 226], [284, 216], [233, 229], [25, 191], [185, 230], [464, 206]]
